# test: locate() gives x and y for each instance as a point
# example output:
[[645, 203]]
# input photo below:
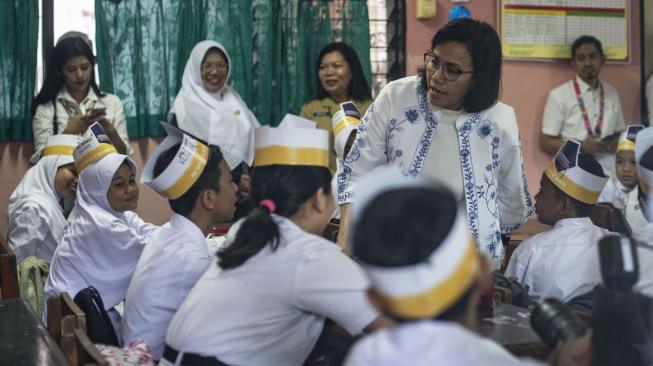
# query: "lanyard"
[[583, 109]]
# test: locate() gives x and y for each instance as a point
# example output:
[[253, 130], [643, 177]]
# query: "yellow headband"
[[427, 289], [291, 146], [572, 179], [184, 169]]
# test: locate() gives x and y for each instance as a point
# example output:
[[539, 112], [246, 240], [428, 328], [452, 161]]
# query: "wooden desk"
[[510, 326], [24, 339]]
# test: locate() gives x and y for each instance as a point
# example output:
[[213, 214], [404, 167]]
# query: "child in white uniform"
[[344, 124], [36, 215], [104, 237], [425, 273], [563, 262], [177, 253], [264, 301], [625, 179]]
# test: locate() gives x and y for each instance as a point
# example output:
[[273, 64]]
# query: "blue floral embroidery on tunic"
[[424, 143], [412, 115], [484, 129]]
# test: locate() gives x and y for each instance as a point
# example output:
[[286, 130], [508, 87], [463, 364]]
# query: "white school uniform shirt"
[[271, 309], [35, 216], [100, 246], [429, 343], [42, 123], [635, 217], [562, 263], [220, 118], [171, 263], [399, 128], [614, 192], [563, 117]]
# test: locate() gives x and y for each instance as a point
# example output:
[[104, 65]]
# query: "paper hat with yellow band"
[[292, 143], [426, 289], [627, 138], [344, 122], [63, 144], [565, 173], [184, 169], [93, 148], [644, 143]]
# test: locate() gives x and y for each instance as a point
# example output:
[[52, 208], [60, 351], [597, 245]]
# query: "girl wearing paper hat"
[[278, 279], [625, 179], [104, 238], [36, 214]]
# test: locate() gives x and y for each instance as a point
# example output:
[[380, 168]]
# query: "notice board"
[[545, 29]]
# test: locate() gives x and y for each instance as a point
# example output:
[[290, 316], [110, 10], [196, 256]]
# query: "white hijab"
[[221, 118], [37, 187], [101, 246]]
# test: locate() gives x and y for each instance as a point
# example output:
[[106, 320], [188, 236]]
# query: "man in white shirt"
[[584, 108], [177, 253]]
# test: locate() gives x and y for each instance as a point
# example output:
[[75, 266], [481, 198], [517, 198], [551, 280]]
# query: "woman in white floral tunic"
[[447, 123]]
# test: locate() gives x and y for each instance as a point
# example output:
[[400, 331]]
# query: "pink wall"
[[526, 84], [13, 165]]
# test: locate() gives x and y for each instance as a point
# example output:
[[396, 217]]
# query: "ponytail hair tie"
[[269, 204]]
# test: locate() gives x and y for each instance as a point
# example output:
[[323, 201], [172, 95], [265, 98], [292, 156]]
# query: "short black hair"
[[359, 88], [588, 163], [209, 178], [584, 40], [484, 47], [403, 227]]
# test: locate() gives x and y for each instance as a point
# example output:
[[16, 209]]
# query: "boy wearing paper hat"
[[344, 124], [625, 179], [563, 262], [425, 273], [197, 182]]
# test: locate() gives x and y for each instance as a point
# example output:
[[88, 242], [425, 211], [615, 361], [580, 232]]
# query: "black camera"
[[554, 321]]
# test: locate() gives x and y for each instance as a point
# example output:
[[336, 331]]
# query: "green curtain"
[[143, 46], [19, 26]]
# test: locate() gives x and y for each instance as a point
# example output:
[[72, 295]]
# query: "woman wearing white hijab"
[[212, 111], [35, 212], [104, 238]]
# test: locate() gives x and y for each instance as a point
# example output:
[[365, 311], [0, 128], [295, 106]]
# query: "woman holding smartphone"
[[70, 101]]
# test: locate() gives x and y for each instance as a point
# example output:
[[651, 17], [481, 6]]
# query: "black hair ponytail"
[[288, 187]]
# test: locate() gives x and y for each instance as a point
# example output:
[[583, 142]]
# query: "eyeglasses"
[[209, 66], [450, 72]]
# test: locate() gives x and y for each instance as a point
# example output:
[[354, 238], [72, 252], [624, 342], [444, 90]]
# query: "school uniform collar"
[[573, 222], [189, 228], [91, 96], [585, 87]]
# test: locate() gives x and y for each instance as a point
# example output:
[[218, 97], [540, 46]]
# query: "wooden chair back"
[[60, 307], [8, 272], [78, 349]]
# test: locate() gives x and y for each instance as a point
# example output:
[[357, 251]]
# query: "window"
[[62, 16]]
